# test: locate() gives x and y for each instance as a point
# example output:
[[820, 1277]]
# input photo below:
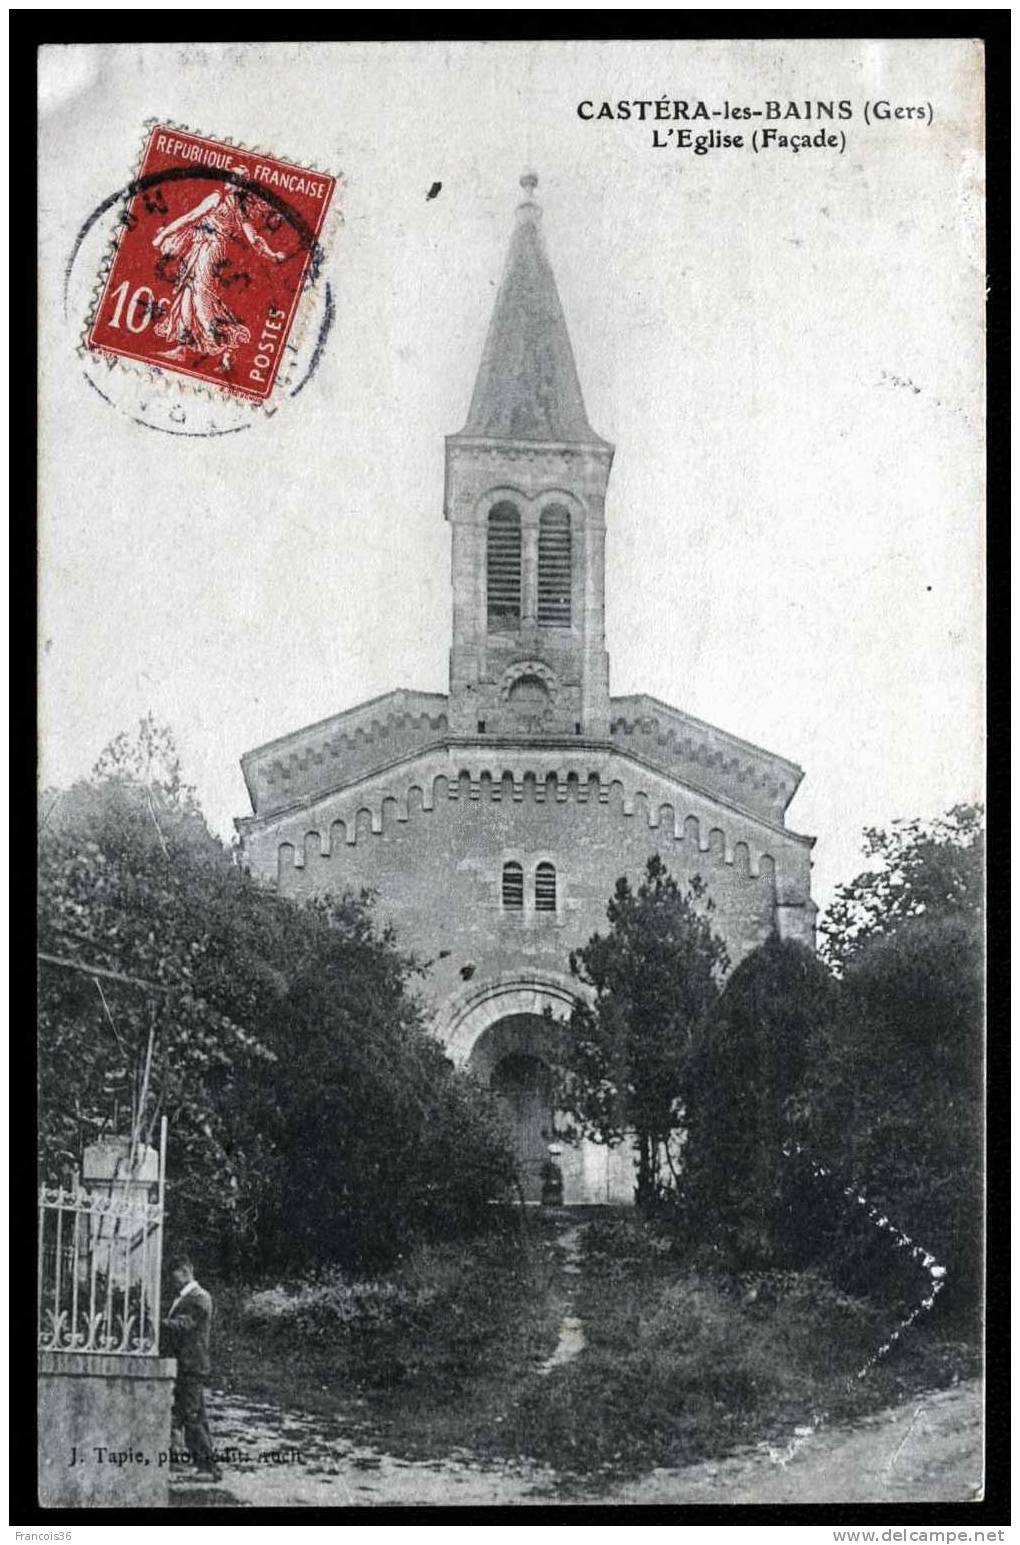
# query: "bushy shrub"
[[896, 1102], [895, 1098], [381, 1142], [431, 1318], [750, 1057], [329, 1306], [803, 1086]]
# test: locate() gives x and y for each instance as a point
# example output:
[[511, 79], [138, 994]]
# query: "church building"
[[494, 820]]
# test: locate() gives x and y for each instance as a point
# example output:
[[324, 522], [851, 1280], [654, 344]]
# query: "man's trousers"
[[189, 1413]]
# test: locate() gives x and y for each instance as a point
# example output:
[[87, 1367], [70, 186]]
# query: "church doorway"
[[511, 1056], [524, 1087]]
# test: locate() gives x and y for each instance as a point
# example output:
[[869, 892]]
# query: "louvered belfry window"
[[513, 887], [503, 569], [545, 888], [554, 568]]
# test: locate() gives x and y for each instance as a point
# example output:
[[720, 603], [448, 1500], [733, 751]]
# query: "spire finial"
[[528, 212]]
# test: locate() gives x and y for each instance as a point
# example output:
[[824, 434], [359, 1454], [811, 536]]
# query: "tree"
[[137, 1014], [751, 1055], [148, 760], [895, 1098], [896, 1101], [376, 1139], [312, 1117], [922, 869], [653, 978]]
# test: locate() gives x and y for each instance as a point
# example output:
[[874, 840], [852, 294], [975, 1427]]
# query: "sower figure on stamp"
[[188, 1325], [194, 250]]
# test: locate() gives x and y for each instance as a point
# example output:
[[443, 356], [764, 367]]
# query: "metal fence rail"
[[100, 1267]]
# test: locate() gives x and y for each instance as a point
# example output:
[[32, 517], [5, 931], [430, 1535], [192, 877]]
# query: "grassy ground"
[[678, 1366], [681, 1366], [436, 1373]]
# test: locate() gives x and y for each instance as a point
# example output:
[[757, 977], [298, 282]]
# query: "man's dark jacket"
[[189, 1332]]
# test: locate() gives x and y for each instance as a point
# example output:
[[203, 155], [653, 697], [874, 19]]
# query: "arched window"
[[513, 887], [554, 568], [503, 567], [545, 888]]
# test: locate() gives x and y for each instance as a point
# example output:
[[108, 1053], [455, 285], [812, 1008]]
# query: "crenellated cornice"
[[386, 732], [667, 737], [339, 750]]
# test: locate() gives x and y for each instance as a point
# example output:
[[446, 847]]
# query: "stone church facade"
[[494, 820]]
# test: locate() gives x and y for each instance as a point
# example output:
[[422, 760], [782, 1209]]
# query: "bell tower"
[[525, 490]]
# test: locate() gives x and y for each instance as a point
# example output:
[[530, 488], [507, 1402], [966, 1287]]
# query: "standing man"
[[188, 1324]]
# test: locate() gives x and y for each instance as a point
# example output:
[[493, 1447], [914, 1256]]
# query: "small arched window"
[[513, 887], [554, 567], [545, 888], [503, 568]]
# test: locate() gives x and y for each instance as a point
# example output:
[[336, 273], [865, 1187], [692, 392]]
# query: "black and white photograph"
[[511, 765]]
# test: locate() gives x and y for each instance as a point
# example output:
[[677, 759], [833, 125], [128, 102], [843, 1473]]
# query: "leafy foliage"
[[376, 1139], [895, 1097], [654, 977], [679, 1364], [922, 868], [132, 881], [752, 1054], [683, 1365], [437, 1347], [311, 1115], [875, 1072]]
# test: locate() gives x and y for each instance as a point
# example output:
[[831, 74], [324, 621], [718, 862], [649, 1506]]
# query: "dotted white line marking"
[[901, 1241]]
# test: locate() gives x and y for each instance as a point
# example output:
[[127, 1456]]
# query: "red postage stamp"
[[215, 248]]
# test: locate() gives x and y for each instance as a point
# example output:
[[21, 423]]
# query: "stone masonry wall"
[[438, 877], [103, 1430]]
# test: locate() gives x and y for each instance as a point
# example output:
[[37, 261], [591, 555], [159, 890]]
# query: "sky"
[[785, 350]]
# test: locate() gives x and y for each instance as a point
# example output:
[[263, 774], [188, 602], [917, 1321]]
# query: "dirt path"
[[927, 1450], [276, 1458], [572, 1340]]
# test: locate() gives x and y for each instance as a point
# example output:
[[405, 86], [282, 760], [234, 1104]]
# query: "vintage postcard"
[[511, 825]]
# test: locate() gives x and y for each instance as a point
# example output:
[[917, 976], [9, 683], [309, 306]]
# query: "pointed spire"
[[527, 386]]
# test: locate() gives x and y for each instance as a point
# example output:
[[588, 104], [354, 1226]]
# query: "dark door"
[[524, 1087]]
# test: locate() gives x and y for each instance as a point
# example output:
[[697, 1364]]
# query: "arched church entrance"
[[501, 1030]]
